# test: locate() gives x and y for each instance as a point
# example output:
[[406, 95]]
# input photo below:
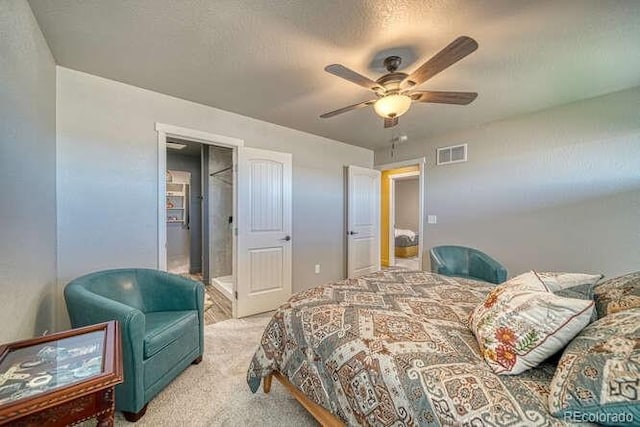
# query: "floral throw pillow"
[[521, 323], [598, 376], [618, 294]]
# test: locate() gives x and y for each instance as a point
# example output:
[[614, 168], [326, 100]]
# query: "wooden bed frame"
[[406, 251], [324, 417]]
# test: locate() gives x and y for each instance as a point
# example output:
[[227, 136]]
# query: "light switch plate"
[[317, 269], [432, 219]]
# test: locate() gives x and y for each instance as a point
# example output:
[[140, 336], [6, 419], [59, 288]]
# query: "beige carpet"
[[215, 392]]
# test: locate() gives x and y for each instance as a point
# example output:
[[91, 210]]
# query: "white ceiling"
[[265, 59]]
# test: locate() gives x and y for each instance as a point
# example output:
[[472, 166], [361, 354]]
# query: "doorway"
[[256, 236], [404, 220], [199, 218], [196, 209], [402, 214]]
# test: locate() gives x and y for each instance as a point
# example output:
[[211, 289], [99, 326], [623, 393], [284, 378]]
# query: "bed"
[[394, 348], [406, 243]]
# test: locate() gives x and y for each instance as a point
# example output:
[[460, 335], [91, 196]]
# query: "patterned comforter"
[[394, 348]]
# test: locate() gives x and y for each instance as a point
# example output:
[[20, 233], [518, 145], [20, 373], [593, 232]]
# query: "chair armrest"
[[87, 308]]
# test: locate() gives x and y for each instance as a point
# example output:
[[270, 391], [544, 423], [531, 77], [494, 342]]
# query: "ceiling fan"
[[394, 90]]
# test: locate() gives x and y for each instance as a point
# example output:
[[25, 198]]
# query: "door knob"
[[286, 238], [353, 232]]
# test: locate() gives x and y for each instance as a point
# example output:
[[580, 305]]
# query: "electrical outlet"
[[432, 219], [317, 269]]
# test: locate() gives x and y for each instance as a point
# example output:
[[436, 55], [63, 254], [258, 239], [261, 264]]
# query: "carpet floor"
[[215, 392]]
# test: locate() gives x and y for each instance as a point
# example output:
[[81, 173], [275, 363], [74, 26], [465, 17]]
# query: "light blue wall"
[[27, 175]]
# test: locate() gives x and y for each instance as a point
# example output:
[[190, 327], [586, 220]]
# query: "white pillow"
[[521, 323], [556, 281]]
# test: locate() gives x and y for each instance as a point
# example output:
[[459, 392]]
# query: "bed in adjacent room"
[[406, 243]]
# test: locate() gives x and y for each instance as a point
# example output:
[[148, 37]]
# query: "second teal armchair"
[[161, 320], [461, 261]]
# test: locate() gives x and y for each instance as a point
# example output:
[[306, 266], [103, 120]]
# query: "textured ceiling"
[[265, 59]]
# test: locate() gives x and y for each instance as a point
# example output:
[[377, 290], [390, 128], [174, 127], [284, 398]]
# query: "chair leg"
[[132, 417], [197, 360]]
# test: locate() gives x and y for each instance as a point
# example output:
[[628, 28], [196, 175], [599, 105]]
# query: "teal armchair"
[[466, 262], [161, 320]]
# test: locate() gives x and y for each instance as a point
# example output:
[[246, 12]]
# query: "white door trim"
[[421, 162], [403, 163], [198, 136], [164, 131]]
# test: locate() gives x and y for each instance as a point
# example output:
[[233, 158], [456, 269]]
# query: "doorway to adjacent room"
[[402, 214], [240, 243], [199, 218]]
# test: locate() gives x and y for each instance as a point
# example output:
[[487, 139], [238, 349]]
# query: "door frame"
[[392, 215], [420, 162], [164, 131]]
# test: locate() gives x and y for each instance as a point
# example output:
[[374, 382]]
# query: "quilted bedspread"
[[394, 348]]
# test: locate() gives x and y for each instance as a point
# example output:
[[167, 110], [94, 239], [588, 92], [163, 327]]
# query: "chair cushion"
[[164, 327]]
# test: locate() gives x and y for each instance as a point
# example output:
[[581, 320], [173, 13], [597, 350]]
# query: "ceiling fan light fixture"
[[391, 106]]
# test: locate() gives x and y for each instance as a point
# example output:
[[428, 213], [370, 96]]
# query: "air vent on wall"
[[452, 154]]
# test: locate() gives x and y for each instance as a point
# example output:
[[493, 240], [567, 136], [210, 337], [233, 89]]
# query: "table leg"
[[106, 419]]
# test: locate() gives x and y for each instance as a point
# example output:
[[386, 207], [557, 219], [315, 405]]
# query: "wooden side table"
[[61, 379]]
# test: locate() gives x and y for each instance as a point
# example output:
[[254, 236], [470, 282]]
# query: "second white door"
[[363, 221]]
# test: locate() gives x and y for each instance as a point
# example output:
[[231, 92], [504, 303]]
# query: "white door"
[[263, 273], [363, 223]]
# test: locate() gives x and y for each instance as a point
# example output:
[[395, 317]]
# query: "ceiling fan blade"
[[352, 76], [454, 52], [348, 108], [459, 98], [389, 123]]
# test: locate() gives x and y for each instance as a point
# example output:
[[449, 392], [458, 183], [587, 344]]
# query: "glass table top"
[[40, 368]]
